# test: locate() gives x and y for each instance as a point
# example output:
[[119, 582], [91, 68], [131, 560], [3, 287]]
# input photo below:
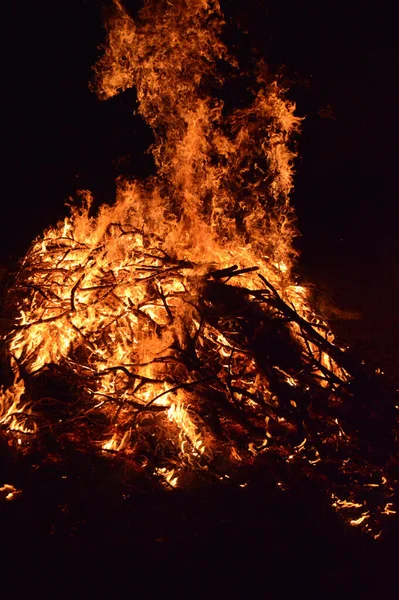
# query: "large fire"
[[173, 316]]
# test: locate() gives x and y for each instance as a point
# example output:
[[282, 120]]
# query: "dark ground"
[[57, 138], [87, 535]]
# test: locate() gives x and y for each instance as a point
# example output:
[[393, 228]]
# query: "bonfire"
[[169, 328]]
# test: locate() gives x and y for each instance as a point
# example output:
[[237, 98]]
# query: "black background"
[[342, 62]]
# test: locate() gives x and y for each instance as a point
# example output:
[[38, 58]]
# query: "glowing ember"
[[9, 492], [173, 314]]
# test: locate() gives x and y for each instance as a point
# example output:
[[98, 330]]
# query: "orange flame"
[[116, 297]]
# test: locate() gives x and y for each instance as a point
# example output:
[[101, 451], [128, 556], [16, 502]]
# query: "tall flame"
[[224, 174]]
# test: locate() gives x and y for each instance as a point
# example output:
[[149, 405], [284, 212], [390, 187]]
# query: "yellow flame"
[[169, 475], [191, 442], [117, 442], [14, 413]]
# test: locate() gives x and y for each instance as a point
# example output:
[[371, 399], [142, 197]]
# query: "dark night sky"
[[57, 137]]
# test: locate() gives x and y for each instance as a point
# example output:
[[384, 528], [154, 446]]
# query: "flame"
[[120, 300], [117, 442], [188, 432], [168, 475], [209, 171], [14, 412]]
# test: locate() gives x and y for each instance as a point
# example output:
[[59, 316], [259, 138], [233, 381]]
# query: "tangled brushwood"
[[168, 328]]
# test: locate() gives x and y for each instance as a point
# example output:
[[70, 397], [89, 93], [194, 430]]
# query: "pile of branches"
[[214, 374]]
